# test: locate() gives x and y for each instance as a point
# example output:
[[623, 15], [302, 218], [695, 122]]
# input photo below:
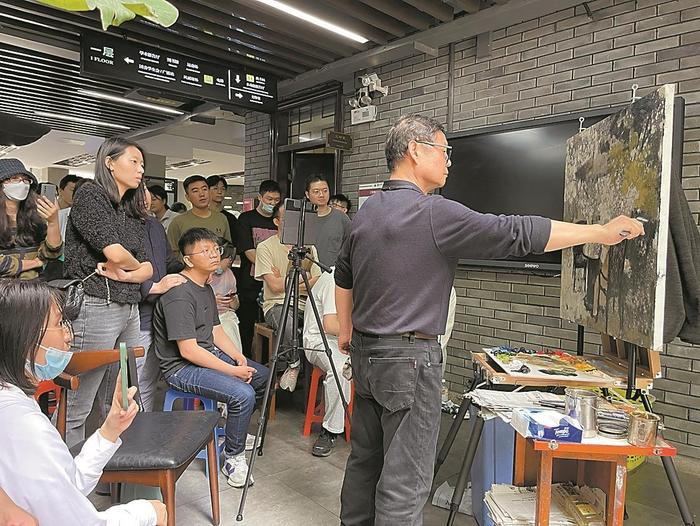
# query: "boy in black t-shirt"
[[254, 227], [197, 356]]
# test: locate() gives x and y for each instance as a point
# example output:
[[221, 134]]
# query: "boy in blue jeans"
[[196, 355]]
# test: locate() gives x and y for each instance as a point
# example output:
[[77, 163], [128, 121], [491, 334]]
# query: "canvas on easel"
[[621, 166]]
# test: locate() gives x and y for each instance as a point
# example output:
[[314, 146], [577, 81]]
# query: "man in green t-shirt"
[[200, 216]]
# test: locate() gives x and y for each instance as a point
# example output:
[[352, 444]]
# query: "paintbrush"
[[643, 220]]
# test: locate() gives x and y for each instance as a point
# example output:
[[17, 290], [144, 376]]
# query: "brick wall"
[[257, 151], [553, 65]]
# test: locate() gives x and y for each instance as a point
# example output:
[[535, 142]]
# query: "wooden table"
[[611, 477]]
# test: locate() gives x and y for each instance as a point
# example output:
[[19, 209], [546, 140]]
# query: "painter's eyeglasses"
[[448, 149]]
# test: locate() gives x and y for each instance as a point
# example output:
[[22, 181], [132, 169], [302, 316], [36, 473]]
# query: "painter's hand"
[[619, 229]]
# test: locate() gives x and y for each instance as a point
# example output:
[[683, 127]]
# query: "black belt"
[[411, 335]]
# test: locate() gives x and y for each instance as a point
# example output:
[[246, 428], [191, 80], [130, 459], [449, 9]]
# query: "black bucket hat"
[[10, 167]]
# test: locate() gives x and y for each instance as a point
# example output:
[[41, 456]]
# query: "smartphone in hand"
[[124, 377], [48, 190]]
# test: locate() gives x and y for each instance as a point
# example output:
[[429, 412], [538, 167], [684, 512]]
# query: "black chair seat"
[[161, 440]]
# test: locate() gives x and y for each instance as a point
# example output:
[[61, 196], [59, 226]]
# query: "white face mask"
[[16, 191]]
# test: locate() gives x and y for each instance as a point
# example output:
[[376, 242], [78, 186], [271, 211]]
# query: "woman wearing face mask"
[[37, 471], [29, 229], [105, 231]]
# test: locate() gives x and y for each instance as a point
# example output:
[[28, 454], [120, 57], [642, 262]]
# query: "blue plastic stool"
[[188, 399]]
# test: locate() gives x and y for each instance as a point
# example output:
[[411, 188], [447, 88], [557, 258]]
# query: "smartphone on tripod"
[[292, 216]]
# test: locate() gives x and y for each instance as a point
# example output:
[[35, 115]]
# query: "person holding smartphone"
[[38, 473], [29, 230]]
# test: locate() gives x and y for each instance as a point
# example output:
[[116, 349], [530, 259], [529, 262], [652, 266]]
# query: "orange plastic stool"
[[47, 386], [315, 411]]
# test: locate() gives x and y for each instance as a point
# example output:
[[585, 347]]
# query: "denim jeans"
[[148, 371], [240, 398], [100, 325], [395, 422]]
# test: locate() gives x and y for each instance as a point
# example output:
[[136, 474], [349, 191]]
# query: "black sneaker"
[[324, 444]]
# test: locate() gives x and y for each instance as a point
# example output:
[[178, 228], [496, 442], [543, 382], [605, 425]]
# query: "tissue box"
[[546, 425]]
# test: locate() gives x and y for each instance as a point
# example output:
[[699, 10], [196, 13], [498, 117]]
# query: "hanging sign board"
[[339, 141], [104, 56]]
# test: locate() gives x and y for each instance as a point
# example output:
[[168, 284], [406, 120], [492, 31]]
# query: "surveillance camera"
[[369, 79], [378, 91]]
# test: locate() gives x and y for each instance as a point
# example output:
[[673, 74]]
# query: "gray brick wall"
[[556, 64], [257, 151]]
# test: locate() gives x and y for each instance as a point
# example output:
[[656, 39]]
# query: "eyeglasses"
[[448, 149], [17, 179], [66, 326], [319, 191], [211, 252]]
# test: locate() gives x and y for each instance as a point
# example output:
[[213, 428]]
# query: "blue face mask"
[[56, 363], [268, 209]]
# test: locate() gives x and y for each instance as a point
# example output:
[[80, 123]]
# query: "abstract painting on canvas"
[[621, 165]]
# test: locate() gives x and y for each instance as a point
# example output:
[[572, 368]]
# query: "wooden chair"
[[158, 447], [261, 332]]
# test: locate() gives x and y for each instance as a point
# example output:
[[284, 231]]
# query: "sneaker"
[[249, 442], [236, 470], [289, 378], [324, 444]]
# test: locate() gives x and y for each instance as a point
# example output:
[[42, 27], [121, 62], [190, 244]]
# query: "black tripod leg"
[[466, 469], [454, 428], [282, 324], [673, 480], [262, 421]]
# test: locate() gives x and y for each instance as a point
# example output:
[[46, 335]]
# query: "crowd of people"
[[187, 286], [170, 282]]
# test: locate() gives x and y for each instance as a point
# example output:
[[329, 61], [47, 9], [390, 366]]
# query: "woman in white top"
[[36, 469]]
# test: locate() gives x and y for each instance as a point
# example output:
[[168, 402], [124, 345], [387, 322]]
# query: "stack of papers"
[[514, 506], [502, 403]]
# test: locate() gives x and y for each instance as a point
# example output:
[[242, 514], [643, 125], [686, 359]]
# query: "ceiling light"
[[314, 20], [81, 120], [116, 98]]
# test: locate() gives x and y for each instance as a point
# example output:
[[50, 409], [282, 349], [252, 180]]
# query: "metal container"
[[581, 405], [643, 429]]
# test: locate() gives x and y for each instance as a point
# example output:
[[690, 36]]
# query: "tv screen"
[[514, 170]]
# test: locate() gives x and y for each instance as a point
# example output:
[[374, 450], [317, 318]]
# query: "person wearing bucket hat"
[[29, 231]]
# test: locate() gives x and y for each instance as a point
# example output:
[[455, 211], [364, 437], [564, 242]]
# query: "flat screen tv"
[[516, 169]]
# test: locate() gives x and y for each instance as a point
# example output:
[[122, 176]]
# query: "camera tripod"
[[297, 254]]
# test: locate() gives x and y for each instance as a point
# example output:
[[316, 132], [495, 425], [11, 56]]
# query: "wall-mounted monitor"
[[515, 169]]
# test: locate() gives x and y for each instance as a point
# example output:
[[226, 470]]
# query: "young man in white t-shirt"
[[323, 294], [272, 266]]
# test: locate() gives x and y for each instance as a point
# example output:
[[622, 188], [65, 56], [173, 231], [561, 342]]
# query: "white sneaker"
[[289, 378], [249, 442], [236, 470]]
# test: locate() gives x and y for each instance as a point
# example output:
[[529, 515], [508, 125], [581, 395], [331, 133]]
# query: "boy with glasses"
[[196, 355]]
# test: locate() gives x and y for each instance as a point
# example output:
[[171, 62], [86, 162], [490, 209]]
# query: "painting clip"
[[580, 124], [635, 87]]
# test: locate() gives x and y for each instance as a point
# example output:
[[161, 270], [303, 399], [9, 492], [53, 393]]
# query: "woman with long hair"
[[29, 230], [104, 249], [37, 471]]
